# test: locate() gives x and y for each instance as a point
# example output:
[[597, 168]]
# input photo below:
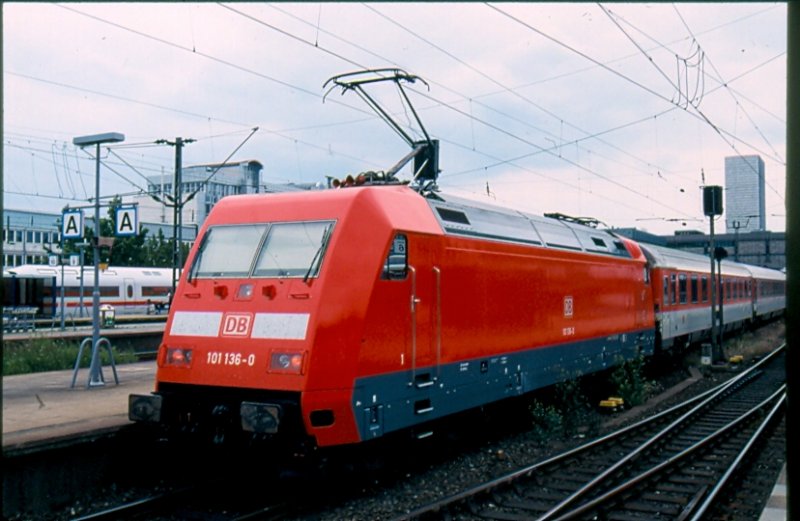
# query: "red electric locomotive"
[[347, 314]]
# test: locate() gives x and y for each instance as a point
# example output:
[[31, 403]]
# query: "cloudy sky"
[[615, 111]]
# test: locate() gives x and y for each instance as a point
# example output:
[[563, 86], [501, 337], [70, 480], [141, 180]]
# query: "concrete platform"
[[775, 510], [41, 408]]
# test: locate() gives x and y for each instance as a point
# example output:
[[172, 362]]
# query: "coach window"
[[704, 288], [130, 291], [682, 287], [694, 289], [666, 291], [673, 295]]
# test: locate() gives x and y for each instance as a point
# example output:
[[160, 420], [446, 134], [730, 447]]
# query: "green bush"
[[39, 354], [630, 382], [570, 400], [565, 410], [547, 422]]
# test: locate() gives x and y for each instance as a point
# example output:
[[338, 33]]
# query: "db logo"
[[569, 306], [236, 324]]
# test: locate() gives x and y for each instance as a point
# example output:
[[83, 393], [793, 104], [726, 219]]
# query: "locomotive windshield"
[[291, 249]]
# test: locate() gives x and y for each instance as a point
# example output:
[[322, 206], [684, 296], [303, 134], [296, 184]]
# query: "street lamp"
[[95, 372]]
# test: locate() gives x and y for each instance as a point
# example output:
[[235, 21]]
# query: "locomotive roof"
[[460, 216], [766, 273], [662, 257]]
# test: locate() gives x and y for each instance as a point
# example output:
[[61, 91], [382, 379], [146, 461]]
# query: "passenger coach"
[[130, 290], [682, 295]]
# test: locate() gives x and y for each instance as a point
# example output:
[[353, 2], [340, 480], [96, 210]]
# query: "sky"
[[620, 112]]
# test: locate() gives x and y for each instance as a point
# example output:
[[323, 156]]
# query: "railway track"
[[670, 466], [199, 502]]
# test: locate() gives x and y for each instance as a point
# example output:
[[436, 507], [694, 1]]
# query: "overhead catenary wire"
[[317, 42], [184, 48], [490, 78], [474, 98], [724, 134], [444, 104], [702, 57], [649, 164], [652, 62], [725, 84], [114, 171]]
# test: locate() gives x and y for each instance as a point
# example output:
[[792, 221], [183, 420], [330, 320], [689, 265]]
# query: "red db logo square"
[[237, 324]]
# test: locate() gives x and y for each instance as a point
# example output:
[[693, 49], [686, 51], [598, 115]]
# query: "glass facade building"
[[745, 198]]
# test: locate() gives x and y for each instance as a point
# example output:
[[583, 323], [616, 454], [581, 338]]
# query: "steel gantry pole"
[[177, 207]]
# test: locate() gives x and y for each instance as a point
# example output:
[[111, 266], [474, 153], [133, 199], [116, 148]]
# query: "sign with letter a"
[[72, 224], [127, 221]]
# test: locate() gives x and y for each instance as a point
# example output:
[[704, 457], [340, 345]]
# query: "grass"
[[757, 343], [751, 344], [39, 354]]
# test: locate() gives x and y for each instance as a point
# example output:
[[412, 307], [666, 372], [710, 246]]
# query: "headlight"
[[286, 362], [179, 357]]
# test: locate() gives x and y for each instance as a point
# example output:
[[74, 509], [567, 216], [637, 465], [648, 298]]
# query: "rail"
[[558, 488]]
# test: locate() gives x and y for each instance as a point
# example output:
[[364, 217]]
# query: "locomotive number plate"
[[232, 359]]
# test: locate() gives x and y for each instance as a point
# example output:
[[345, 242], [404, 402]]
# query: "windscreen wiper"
[[318, 255]]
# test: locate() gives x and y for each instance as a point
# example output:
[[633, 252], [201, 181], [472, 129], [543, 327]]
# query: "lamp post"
[[95, 372]]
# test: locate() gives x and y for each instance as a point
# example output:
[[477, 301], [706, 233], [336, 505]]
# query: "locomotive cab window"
[[293, 249], [228, 251]]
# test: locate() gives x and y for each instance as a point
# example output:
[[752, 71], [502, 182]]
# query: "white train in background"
[[129, 290]]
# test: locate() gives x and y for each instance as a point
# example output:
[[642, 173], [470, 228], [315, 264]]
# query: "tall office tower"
[[745, 201]]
